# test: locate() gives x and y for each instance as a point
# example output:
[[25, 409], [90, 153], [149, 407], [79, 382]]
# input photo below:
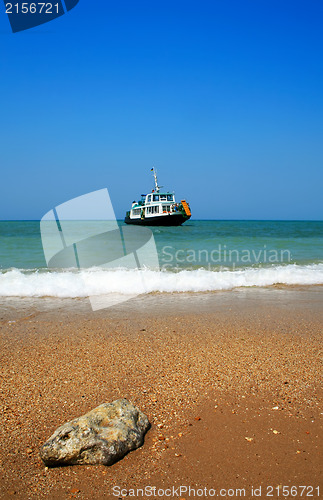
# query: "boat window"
[[149, 198], [166, 208], [156, 197], [153, 209], [170, 197], [162, 197]]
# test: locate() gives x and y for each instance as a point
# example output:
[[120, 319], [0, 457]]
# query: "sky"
[[223, 97]]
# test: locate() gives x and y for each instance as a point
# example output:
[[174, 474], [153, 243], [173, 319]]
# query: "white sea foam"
[[96, 282]]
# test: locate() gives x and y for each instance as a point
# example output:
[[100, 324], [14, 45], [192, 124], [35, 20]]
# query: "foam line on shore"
[[90, 282]]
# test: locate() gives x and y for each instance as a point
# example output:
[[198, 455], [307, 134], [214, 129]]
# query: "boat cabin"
[[153, 204]]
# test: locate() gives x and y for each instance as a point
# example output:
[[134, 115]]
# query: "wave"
[[96, 282]]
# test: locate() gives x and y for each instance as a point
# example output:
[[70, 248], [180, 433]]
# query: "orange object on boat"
[[186, 207]]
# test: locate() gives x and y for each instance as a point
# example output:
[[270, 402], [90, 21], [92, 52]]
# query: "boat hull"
[[164, 220]]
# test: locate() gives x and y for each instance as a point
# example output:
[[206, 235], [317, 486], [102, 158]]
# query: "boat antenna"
[[157, 188]]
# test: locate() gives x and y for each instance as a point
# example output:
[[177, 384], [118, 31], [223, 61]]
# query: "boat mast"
[[156, 181]]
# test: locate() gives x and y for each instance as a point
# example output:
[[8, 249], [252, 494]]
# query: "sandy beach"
[[230, 381]]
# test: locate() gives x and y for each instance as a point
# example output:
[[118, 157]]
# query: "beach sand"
[[230, 382]]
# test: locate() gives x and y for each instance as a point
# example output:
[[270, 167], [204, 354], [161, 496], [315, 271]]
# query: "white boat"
[[158, 208]]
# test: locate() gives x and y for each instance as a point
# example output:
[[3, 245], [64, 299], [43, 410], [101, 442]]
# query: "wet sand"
[[231, 383]]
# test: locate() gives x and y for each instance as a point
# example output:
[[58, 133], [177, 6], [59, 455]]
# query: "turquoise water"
[[198, 256], [191, 245], [241, 243]]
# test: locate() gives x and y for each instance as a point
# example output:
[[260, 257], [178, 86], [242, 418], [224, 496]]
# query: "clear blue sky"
[[224, 97]]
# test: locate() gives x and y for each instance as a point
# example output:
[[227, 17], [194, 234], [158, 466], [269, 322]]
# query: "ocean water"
[[198, 256]]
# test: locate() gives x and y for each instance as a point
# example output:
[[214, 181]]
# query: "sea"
[[200, 256]]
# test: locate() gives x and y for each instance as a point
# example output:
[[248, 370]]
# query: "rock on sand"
[[102, 436]]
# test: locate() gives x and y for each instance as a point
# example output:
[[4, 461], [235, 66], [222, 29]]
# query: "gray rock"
[[102, 436]]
